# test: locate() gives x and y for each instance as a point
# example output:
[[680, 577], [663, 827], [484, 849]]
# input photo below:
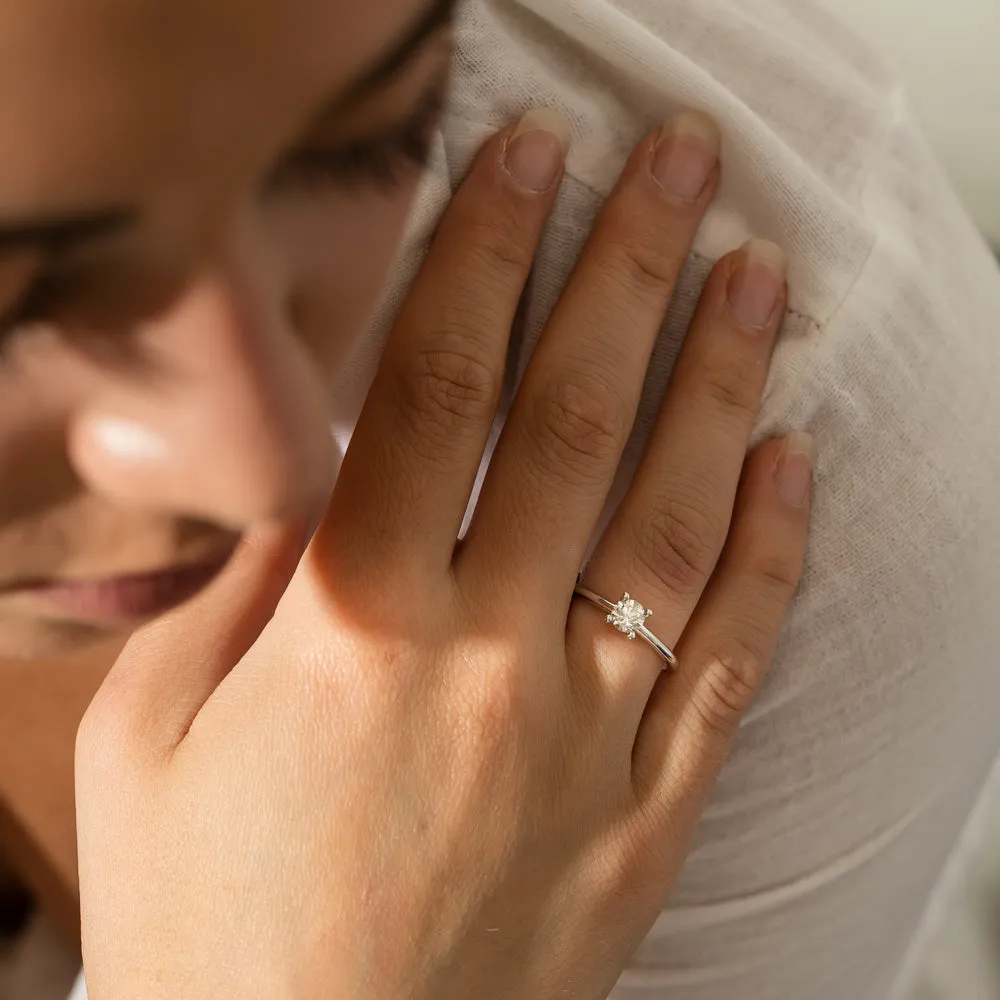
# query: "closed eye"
[[35, 301], [382, 161]]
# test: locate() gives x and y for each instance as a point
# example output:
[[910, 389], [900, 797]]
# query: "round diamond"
[[628, 616]]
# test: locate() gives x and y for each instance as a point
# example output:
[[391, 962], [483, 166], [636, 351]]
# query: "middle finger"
[[562, 443]]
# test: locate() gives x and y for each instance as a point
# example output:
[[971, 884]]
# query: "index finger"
[[409, 473], [171, 668]]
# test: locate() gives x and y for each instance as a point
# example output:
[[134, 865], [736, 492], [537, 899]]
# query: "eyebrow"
[[17, 236], [437, 16]]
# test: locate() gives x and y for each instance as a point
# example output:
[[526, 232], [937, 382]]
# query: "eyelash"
[[382, 162], [45, 290]]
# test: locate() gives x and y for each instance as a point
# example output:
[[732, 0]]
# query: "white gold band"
[[629, 617]]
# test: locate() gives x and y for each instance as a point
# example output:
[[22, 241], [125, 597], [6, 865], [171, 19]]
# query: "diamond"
[[628, 615]]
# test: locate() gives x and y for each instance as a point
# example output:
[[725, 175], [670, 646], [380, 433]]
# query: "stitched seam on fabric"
[[473, 120], [880, 150]]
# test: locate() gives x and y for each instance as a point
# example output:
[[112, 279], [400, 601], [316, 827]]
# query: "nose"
[[226, 417]]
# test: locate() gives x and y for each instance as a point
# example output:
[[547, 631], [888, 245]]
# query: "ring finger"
[[665, 540]]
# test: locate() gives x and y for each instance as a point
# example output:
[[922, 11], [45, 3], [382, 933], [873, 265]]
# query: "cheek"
[[38, 388], [34, 475], [340, 254]]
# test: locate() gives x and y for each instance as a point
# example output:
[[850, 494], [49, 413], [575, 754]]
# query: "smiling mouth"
[[123, 599]]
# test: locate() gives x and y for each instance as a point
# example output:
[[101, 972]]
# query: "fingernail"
[[794, 473], [686, 155], [757, 282], [537, 148], [127, 440]]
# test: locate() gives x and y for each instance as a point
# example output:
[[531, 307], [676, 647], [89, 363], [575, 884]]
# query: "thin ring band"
[[628, 616]]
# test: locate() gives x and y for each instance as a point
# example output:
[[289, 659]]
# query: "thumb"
[[171, 668]]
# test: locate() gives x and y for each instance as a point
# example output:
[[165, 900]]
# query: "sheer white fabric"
[[866, 753], [79, 990], [861, 762]]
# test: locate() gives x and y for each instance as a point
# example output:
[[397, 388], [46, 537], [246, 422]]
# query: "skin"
[[424, 770], [215, 318], [281, 787]]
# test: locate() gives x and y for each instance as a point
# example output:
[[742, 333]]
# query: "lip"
[[125, 599]]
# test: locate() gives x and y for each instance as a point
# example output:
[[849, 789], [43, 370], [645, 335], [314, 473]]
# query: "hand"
[[433, 773]]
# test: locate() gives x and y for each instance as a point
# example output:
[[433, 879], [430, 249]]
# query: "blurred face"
[[199, 200]]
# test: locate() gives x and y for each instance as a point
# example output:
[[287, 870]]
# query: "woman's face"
[[199, 200]]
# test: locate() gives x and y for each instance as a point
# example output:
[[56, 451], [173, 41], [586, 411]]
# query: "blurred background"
[[948, 55]]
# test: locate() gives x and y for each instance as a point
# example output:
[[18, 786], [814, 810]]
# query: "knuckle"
[[583, 424], [104, 734], [483, 270], [678, 544], [727, 384], [646, 273], [500, 248], [495, 712], [501, 702], [91, 735], [726, 686], [449, 388], [619, 877], [778, 574]]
